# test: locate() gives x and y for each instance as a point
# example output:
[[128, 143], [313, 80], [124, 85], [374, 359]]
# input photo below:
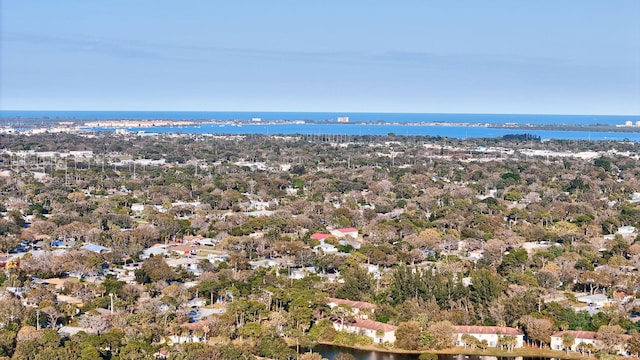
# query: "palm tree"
[[567, 341], [199, 332], [469, 340], [585, 348], [508, 341], [343, 312], [205, 331]]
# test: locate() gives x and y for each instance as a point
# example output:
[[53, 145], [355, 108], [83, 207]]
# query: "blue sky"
[[466, 56]]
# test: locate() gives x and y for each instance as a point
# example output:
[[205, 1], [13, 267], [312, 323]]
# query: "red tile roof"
[[373, 325], [346, 230], [621, 295], [184, 248], [591, 335], [353, 304], [502, 330], [319, 236], [192, 237]]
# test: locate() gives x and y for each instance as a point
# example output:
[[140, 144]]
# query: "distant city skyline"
[[498, 56]]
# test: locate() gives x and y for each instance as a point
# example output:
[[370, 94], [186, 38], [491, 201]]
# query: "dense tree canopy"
[[450, 232]]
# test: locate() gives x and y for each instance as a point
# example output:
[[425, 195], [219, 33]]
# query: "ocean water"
[[326, 116], [407, 129], [359, 123]]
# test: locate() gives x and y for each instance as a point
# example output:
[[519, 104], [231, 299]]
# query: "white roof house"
[[596, 300], [325, 249], [626, 230], [214, 258], [208, 241], [154, 250], [95, 248], [186, 263], [262, 263], [137, 208], [302, 273]]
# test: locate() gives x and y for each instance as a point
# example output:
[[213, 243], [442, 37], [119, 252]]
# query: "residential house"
[[491, 334], [345, 232], [626, 231], [217, 257], [98, 249], [586, 337], [197, 302], [155, 250], [596, 300], [361, 309], [185, 249], [320, 236], [266, 263], [375, 271], [301, 273], [475, 255], [189, 264], [377, 331], [325, 248], [622, 297], [355, 243], [137, 208], [70, 330], [208, 242], [58, 283], [192, 239]]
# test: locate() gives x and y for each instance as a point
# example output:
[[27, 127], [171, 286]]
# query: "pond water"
[[330, 351]]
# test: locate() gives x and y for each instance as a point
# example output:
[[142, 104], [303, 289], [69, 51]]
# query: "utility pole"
[[38, 319]]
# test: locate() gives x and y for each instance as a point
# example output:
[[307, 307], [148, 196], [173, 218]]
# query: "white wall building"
[[377, 331], [360, 308], [345, 232], [491, 334], [587, 337]]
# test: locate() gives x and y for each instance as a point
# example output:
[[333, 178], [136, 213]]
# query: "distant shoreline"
[[92, 123], [594, 128]]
